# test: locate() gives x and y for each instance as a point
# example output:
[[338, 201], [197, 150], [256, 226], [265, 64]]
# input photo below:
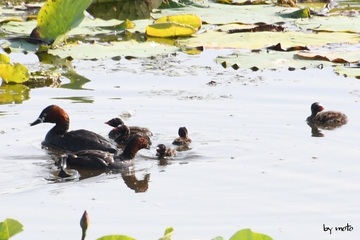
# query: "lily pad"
[[255, 40], [348, 71], [107, 51], [331, 24], [262, 60]]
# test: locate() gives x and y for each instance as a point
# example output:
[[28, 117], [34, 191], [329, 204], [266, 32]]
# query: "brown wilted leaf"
[[278, 47], [312, 56], [260, 28]]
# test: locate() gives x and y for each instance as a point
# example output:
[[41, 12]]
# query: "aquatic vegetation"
[[56, 18], [12, 72], [10, 227], [315, 36], [183, 25]]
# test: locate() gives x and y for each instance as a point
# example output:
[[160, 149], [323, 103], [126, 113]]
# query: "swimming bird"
[[98, 159], [183, 138], [118, 122], [73, 141], [162, 151], [326, 119]]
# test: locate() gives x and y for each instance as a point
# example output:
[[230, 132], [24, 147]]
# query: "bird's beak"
[[37, 121]]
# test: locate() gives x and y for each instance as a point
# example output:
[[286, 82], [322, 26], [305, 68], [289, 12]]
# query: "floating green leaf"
[[247, 234], [57, 17], [9, 228]]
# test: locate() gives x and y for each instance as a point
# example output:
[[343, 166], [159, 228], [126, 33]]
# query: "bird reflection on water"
[[315, 132], [64, 174]]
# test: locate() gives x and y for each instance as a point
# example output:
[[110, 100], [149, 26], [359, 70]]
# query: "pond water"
[[253, 162]]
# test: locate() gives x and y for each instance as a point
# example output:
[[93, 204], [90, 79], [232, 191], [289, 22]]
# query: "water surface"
[[252, 164]]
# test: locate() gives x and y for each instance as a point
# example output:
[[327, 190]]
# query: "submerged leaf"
[[169, 29], [57, 17]]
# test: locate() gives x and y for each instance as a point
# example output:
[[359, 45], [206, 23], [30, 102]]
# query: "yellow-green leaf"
[[301, 13], [168, 234], [188, 19], [127, 24], [14, 73], [4, 58], [57, 17], [224, 1], [169, 29], [9, 228]]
